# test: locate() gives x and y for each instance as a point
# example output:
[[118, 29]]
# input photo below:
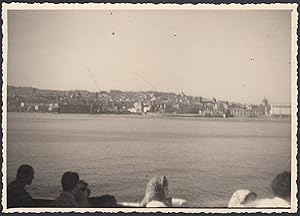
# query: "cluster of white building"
[[280, 110]]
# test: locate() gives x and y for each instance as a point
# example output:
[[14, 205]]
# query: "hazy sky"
[[233, 55]]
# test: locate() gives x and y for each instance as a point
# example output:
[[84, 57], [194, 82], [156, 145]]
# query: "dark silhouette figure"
[[281, 186], [17, 196], [82, 194], [69, 182]]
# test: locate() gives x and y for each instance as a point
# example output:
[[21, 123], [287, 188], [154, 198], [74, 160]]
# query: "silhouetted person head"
[[281, 185], [69, 181], [82, 194], [17, 196], [25, 174], [83, 188]]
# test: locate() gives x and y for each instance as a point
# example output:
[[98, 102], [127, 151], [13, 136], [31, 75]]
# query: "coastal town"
[[29, 99]]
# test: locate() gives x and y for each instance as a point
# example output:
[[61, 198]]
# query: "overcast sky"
[[233, 55]]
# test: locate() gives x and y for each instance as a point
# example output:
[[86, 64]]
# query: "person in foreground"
[[157, 194], [242, 198], [82, 194], [281, 188], [17, 196], [69, 182]]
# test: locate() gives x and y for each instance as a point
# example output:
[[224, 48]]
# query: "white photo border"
[[150, 6]]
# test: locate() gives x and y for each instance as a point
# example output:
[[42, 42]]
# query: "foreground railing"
[[106, 201]]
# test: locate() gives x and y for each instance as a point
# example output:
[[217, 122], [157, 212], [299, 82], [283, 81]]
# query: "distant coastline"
[[167, 116], [150, 103]]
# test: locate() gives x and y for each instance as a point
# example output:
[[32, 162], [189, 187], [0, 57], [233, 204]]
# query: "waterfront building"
[[146, 107], [74, 108], [12, 107], [138, 107], [246, 113], [280, 110]]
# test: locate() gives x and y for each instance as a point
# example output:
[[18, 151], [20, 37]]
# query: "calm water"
[[204, 160]]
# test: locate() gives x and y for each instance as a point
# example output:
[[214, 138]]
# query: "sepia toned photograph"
[[143, 108]]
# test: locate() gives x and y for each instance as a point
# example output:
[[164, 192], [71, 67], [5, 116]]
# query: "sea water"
[[205, 160]]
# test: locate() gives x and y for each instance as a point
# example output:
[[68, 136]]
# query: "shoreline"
[[170, 116]]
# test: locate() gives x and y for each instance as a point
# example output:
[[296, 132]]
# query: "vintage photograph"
[[160, 107]]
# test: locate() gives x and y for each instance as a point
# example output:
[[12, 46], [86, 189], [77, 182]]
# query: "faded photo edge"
[[294, 103]]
